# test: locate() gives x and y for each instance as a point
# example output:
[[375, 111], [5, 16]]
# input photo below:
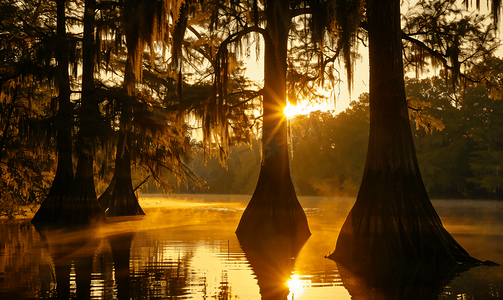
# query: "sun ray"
[[305, 108], [296, 285]]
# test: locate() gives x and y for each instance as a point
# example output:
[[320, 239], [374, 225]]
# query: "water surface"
[[185, 248]]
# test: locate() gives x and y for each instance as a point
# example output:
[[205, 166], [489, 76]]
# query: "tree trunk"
[[274, 207], [392, 223], [50, 209], [119, 198], [82, 207]]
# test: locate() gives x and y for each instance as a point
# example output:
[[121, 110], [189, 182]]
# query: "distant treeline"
[[458, 138]]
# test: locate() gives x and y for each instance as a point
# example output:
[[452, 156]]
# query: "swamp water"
[[185, 248]]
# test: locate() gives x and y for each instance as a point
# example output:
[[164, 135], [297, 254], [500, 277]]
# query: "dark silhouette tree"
[[50, 209], [392, 223], [119, 198], [274, 207], [82, 206], [442, 35], [141, 129], [47, 54]]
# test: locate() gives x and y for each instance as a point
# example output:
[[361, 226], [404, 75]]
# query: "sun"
[[304, 108], [296, 285], [291, 111]]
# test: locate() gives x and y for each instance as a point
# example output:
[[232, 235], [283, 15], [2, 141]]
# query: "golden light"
[[295, 285], [291, 111], [304, 108]]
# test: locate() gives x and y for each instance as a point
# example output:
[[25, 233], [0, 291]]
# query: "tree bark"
[[119, 198], [82, 207], [274, 207], [392, 223], [50, 209]]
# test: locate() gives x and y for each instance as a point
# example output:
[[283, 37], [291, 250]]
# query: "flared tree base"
[[263, 218], [273, 210], [49, 212], [393, 226], [82, 211], [120, 200], [82, 207]]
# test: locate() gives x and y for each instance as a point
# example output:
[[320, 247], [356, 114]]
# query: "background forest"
[[459, 144], [153, 95]]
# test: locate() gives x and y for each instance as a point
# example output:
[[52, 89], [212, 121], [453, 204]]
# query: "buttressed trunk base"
[[119, 198], [274, 208], [393, 224], [82, 207]]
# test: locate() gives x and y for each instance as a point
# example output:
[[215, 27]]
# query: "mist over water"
[[185, 248]]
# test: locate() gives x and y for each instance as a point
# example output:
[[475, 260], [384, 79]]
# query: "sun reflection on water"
[[186, 248], [296, 286]]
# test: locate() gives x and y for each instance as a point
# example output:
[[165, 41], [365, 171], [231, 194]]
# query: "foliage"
[[23, 184], [29, 72], [25, 147], [26, 135], [319, 33], [458, 134], [328, 155], [458, 147], [440, 153], [238, 177], [441, 34], [462, 159], [329, 151]]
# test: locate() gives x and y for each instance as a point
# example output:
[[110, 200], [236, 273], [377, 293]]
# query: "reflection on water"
[[272, 259], [185, 248], [405, 283]]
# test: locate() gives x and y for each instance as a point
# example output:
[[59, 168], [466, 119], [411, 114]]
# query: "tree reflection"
[[20, 266], [72, 249], [121, 253], [84, 271], [392, 284], [409, 283], [156, 274], [272, 259]]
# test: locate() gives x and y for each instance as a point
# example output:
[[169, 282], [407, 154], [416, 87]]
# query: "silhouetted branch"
[[141, 183]]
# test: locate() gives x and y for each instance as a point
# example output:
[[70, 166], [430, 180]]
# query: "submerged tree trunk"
[[50, 209], [82, 207], [274, 207], [393, 223], [119, 198]]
